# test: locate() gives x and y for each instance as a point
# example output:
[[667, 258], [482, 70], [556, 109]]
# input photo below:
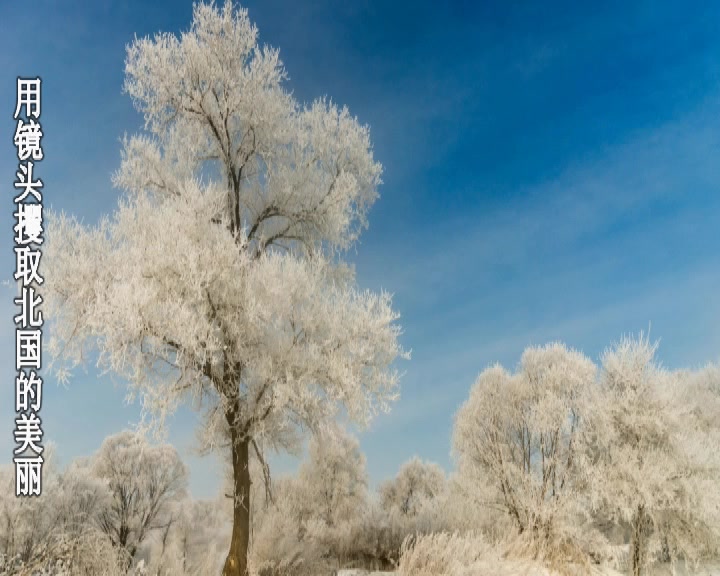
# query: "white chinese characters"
[[28, 237]]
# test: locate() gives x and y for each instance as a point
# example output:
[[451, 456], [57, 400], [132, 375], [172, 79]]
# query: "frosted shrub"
[[26, 524], [280, 544], [370, 541], [88, 553], [93, 554], [191, 541], [446, 554], [277, 550]]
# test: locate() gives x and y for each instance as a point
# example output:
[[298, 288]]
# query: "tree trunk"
[[236, 562], [638, 544]]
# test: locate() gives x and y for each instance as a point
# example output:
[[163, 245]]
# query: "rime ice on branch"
[[220, 279]]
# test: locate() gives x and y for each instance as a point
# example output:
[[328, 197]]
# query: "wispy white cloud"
[[673, 164], [625, 241]]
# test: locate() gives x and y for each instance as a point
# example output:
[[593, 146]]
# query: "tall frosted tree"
[[657, 468], [220, 278]]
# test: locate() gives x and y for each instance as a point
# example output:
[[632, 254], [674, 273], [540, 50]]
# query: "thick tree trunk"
[[236, 562]]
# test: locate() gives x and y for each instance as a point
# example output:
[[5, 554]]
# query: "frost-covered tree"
[[26, 524], [701, 393], [279, 541], [518, 437], [220, 279], [81, 498], [416, 484], [192, 544], [10, 514], [311, 512], [144, 480], [333, 481], [657, 463]]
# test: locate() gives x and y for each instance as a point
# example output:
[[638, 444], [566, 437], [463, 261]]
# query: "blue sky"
[[551, 172]]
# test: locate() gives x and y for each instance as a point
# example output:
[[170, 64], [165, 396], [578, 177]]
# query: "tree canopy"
[[220, 278]]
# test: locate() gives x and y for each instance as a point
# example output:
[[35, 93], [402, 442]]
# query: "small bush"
[[446, 554]]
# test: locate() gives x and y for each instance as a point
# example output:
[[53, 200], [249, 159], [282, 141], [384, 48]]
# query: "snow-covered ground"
[[664, 570], [361, 573]]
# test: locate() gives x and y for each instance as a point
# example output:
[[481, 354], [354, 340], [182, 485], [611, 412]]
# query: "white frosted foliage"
[[220, 279], [218, 276], [519, 436]]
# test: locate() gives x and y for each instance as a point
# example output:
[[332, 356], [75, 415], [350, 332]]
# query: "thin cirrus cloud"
[[650, 199], [623, 243]]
